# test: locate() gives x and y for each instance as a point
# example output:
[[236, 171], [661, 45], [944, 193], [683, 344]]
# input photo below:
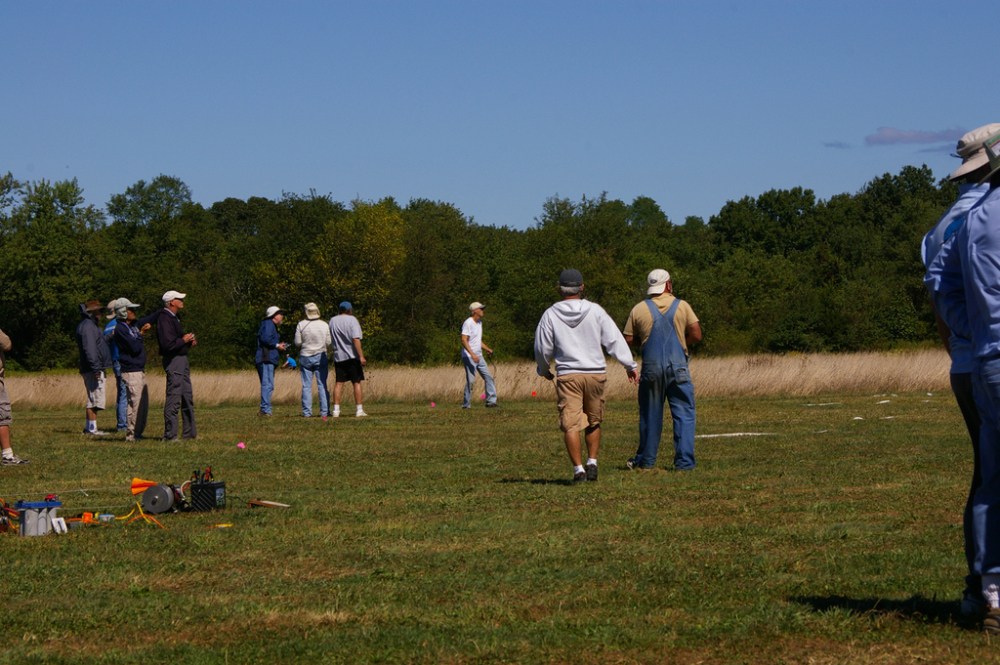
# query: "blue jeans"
[[986, 504], [470, 377], [654, 388], [266, 373], [961, 385], [318, 366], [121, 407]]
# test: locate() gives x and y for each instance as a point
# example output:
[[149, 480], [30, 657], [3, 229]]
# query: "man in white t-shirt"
[[348, 358], [472, 357]]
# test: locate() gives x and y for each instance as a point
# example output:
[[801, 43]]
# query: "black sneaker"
[[494, 405], [991, 624], [591, 471], [580, 477]]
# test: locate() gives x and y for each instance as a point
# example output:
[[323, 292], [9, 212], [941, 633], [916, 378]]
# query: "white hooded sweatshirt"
[[573, 332]]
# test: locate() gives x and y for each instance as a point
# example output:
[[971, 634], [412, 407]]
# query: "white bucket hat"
[[970, 149], [312, 311]]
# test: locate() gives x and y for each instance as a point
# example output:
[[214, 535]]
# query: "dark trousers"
[[180, 397], [961, 385]]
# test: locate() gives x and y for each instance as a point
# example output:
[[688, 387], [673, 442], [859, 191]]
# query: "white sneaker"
[[360, 414], [335, 414], [95, 432]]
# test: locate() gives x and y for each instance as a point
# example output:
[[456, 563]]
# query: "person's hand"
[[364, 361], [282, 345], [145, 328], [490, 351], [188, 338], [475, 358], [633, 376]]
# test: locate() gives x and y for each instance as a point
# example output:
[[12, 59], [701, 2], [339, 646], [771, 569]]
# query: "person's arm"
[[357, 348], [5, 343], [90, 349], [544, 348], [468, 349], [692, 334], [614, 343], [942, 329], [298, 335]]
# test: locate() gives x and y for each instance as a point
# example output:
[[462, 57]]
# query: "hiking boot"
[[591, 471], [13, 460], [991, 624], [580, 477], [974, 606]]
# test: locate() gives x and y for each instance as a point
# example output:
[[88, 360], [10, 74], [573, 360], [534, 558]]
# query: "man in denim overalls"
[[664, 326]]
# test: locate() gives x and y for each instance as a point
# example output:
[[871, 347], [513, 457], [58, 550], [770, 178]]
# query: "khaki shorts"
[[581, 400], [95, 390], [5, 417]]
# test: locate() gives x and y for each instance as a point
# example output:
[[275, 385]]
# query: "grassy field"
[[439, 535]]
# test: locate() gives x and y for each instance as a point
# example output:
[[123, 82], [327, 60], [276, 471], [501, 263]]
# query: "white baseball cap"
[[272, 311], [173, 295], [657, 282], [476, 305]]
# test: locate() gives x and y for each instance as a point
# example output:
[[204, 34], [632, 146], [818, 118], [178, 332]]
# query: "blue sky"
[[491, 106]]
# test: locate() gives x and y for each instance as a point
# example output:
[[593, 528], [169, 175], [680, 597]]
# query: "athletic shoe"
[[991, 624], [360, 414], [580, 477], [95, 432], [494, 405], [335, 414], [261, 413], [13, 460], [591, 471], [170, 440], [973, 604], [630, 463]]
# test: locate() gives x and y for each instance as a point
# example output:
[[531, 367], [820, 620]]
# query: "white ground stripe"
[[713, 436]]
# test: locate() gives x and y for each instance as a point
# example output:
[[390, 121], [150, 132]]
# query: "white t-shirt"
[[474, 330], [345, 329]]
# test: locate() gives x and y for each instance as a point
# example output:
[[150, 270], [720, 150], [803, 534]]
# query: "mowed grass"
[[439, 535]]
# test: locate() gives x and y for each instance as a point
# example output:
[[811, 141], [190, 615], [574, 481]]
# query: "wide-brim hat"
[[93, 306], [272, 311], [312, 311], [111, 309], [970, 149]]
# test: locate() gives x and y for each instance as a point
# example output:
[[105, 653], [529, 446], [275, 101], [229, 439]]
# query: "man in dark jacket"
[[132, 361], [95, 357], [266, 359], [174, 345]]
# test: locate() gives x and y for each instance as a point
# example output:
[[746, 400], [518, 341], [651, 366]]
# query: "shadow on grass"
[[538, 481], [915, 608]]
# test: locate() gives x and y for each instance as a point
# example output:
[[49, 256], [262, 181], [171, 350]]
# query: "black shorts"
[[349, 370]]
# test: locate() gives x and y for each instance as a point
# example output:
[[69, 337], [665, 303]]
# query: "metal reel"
[[158, 499]]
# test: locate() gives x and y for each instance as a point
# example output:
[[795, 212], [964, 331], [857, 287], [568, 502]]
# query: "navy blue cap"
[[345, 306]]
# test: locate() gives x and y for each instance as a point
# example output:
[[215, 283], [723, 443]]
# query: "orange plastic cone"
[[139, 485]]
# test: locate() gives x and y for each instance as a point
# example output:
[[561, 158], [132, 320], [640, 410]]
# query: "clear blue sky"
[[492, 106]]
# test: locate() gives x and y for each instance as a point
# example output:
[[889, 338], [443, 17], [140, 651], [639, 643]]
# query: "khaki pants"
[[581, 400], [138, 403]]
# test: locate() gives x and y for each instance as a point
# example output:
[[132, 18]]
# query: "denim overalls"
[[665, 376]]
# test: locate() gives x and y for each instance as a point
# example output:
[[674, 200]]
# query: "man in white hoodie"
[[572, 332]]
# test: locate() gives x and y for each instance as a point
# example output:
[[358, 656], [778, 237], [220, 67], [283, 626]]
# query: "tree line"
[[780, 272]]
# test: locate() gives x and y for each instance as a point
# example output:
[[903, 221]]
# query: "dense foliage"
[[779, 272]]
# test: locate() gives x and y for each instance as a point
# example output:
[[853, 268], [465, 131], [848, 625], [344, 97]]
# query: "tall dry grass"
[[736, 376]]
